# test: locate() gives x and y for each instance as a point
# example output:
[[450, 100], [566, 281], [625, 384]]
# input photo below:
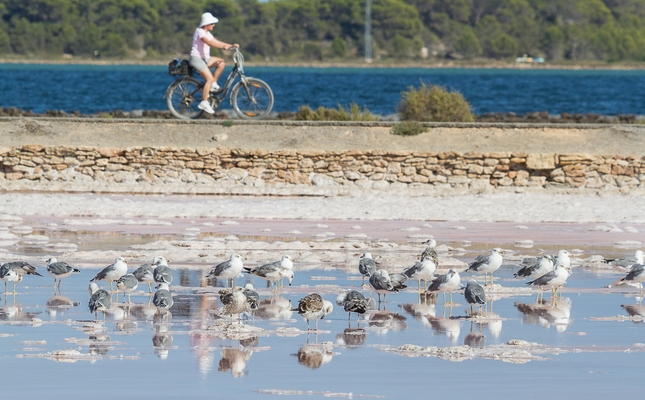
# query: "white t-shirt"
[[201, 49]]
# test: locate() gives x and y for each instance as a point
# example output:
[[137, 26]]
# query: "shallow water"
[[587, 345]]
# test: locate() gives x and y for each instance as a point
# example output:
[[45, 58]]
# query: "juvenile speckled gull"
[[535, 267], [487, 264], [112, 272], [366, 266], [60, 269], [127, 284], [14, 271], [352, 301], [234, 301], [430, 251], [228, 269], [313, 306]]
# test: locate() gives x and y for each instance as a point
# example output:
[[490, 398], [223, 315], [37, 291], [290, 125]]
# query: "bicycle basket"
[[179, 67]]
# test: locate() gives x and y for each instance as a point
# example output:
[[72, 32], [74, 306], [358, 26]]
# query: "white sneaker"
[[214, 87], [204, 105]]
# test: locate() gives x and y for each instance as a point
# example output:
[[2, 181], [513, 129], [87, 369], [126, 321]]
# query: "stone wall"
[[36, 167]]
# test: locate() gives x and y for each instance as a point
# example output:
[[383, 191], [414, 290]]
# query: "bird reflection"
[[352, 337], [100, 344], [556, 312], [385, 320], [59, 303], [162, 340], [491, 320], [635, 310], [275, 308], [15, 312], [475, 339], [143, 312], [451, 327], [426, 307], [315, 355], [234, 360]]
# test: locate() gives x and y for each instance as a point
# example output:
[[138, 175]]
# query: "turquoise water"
[[91, 89]]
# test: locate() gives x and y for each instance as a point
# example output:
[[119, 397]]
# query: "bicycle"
[[251, 98]]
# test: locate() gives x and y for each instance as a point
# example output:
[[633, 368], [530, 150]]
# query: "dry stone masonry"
[[139, 169]]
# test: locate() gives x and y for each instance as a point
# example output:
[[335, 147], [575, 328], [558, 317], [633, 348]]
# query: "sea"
[[93, 89]]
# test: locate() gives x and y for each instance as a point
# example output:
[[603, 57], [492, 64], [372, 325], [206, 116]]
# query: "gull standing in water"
[[636, 274], [14, 271], [626, 263], [162, 298], [99, 300], [234, 301], [285, 264], [229, 269], [381, 283], [366, 266], [127, 284], [252, 297], [271, 273], [474, 294], [422, 270], [487, 264], [535, 267], [112, 272], [59, 270], [145, 273], [446, 283], [162, 273], [552, 280], [313, 306], [352, 301]]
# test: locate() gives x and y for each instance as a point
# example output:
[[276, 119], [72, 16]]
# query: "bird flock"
[[545, 272]]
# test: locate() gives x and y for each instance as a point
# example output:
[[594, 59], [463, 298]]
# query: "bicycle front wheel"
[[183, 96], [253, 100]]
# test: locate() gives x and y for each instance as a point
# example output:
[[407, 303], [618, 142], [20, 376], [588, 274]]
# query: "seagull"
[[381, 283], [422, 270], [398, 281], [59, 270], [145, 273], [562, 259], [271, 273], [99, 300], [535, 267], [627, 262], [112, 272], [553, 279], [430, 251], [229, 269], [162, 273], [313, 306], [286, 263], [234, 301], [127, 284], [352, 301], [366, 266], [487, 263], [14, 271], [636, 274], [474, 294], [445, 283], [252, 297], [162, 298]]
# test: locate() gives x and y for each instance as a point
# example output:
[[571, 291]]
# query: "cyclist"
[[201, 60]]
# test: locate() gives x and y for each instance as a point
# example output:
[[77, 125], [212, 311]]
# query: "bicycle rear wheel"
[[252, 101], [183, 96]]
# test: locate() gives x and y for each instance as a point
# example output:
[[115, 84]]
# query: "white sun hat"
[[207, 19]]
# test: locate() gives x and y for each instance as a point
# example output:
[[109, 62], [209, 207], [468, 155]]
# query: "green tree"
[[338, 48], [503, 46], [5, 44], [468, 45]]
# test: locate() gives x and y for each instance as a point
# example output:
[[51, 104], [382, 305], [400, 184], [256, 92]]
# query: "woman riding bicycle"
[[201, 60]]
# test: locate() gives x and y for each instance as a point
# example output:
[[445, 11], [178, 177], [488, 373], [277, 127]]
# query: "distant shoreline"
[[433, 65]]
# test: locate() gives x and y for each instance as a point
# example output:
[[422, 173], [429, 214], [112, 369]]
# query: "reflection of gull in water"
[[234, 360], [162, 341], [59, 303], [423, 310], [492, 321], [315, 355], [384, 321], [144, 311], [351, 337], [100, 344], [451, 327], [14, 312], [475, 339], [635, 310], [556, 312], [275, 308]]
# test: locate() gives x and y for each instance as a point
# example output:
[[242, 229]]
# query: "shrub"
[[433, 103], [408, 128], [305, 113]]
